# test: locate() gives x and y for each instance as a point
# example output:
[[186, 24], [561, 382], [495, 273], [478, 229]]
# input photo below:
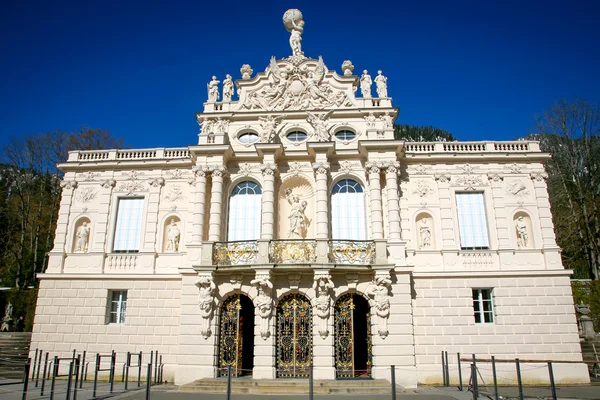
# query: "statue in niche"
[[365, 84], [206, 290], [522, 234], [381, 296], [227, 88], [294, 23], [425, 233], [83, 234], [297, 217], [322, 285], [7, 320], [319, 124], [173, 235], [381, 85], [213, 90], [264, 303], [268, 127]]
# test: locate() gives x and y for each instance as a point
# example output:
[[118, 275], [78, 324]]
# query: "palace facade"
[[299, 232]]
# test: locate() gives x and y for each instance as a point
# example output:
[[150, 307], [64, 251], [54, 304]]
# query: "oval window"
[[296, 136], [248, 137], [345, 136]]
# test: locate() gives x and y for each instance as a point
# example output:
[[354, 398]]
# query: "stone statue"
[[268, 127], [227, 88], [381, 84], [425, 233], [522, 234], [319, 124], [370, 119], [83, 234], [347, 68], [173, 235], [387, 120], [294, 23], [365, 84], [264, 303], [7, 320], [381, 296], [297, 217], [246, 71], [206, 299], [213, 90], [322, 285], [207, 126]]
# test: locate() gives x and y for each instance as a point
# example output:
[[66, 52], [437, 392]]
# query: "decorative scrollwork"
[[352, 252], [235, 253], [292, 251]]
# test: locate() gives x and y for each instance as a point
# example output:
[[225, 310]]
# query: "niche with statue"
[[522, 230], [172, 235], [81, 235], [424, 231], [296, 209]]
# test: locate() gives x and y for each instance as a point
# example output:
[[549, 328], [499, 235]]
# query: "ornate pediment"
[[296, 83]]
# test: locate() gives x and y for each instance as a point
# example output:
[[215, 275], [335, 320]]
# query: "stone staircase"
[[14, 350], [587, 350], [288, 386]]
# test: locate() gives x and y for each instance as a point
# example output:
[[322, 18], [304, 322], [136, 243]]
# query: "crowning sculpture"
[[294, 23]]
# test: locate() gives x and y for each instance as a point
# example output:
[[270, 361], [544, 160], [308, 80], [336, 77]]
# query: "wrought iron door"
[[230, 337], [294, 337], [346, 344]]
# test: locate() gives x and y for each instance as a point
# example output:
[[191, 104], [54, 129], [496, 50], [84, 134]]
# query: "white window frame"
[[348, 211], [128, 227], [481, 297], [472, 221], [117, 307], [244, 217]]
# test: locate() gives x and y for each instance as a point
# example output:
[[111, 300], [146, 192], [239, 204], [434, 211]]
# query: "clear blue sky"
[[480, 69]]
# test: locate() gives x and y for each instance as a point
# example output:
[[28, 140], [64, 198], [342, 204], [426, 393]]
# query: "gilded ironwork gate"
[[352, 332], [230, 337], [294, 337]]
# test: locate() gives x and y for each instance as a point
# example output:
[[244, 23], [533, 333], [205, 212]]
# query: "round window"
[[296, 136], [248, 137], [345, 136]]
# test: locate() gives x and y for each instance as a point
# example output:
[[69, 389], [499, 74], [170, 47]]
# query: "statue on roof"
[[213, 90], [365, 84], [227, 88], [381, 85], [294, 23]]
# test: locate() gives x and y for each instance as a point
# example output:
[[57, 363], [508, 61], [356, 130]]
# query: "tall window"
[[472, 222], [129, 226], [348, 211], [483, 306], [118, 306], [245, 212]]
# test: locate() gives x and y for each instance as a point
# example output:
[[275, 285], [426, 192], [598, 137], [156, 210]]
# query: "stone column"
[[268, 200], [216, 200], [391, 178], [322, 199], [373, 171], [198, 207]]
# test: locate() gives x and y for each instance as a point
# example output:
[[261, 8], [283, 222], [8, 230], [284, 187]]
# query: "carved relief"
[[86, 194], [370, 120], [69, 185], [264, 302], [295, 169], [177, 173], [108, 184], [517, 188], [442, 178], [495, 177], [133, 185], [322, 286], [320, 125], [157, 182], [346, 167], [380, 291], [422, 188], [174, 193], [469, 182], [539, 176], [268, 127], [206, 299], [90, 176]]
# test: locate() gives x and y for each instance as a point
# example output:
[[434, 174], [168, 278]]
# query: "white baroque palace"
[[298, 232]]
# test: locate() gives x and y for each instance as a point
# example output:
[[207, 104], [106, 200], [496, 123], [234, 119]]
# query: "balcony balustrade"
[[356, 252], [235, 253], [292, 251]]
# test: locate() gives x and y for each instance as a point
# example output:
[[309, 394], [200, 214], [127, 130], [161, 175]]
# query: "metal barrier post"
[[139, 368], [156, 368], [393, 382], [127, 369], [37, 376], [148, 381], [152, 358], [82, 370], [96, 369], [495, 378], [69, 380], [26, 377], [229, 382], [443, 369], [475, 385], [460, 386], [113, 363], [34, 364], [77, 365], [54, 373], [447, 370], [519, 379], [552, 386], [44, 374], [311, 383], [160, 371]]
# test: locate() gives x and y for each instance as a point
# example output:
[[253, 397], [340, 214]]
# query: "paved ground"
[[14, 392]]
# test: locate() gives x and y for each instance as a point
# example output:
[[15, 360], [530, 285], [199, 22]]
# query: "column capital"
[[373, 167], [268, 169], [68, 184], [538, 176], [321, 168], [391, 167], [218, 170]]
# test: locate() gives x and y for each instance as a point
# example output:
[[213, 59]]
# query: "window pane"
[[129, 225], [348, 220], [245, 212], [118, 306], [483, 306], [472, 220]]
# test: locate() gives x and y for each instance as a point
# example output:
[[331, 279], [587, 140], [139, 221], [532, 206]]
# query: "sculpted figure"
[[268, 126], [381, 296], [322, 285], [522, 234], [381, 85], [297, 217], [365, 84], [83, 234], [388, 120], [319, 124], [227, 88], [206, 290], [264, 303], [213, 90], [173, 235], [294, 23], [207, 126], [7, 320], [371, 119], [425, 233]]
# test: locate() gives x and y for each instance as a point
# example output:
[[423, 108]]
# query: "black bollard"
[[393, 382], [229, 382], [460, 386], [148, 381], [447, 370], [96, 375], [113, 364], [54, 373], [495, 378], [519, 379], [76, 372], [37, 375], [34, 365], [139, 368], [127, 369], [156, 367], [310, 383], [44, 374], [443, 370], [475, 385], [82, 371], [26, 377], [552, 386], [69, 380]]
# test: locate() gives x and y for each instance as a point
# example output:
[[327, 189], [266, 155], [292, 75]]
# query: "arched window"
[[348, 211], [245, 212]]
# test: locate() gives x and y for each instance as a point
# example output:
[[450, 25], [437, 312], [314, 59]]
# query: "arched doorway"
[[236, 336], [352, 333], [294, 337]]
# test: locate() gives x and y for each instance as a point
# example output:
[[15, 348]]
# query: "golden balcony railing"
[[292, 251], [235, 253], [357, 252]]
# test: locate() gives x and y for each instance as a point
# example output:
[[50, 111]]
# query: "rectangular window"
[[118, 306], [483, 306], [472, 222], [129, 226]]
